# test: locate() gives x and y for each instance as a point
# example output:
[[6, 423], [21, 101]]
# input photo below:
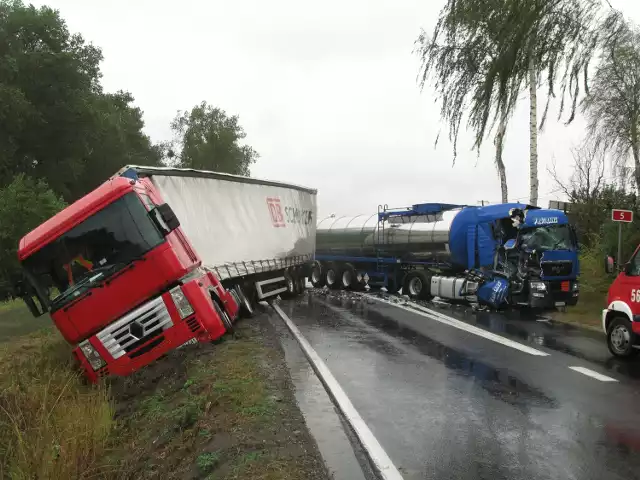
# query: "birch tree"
[[523, 43]]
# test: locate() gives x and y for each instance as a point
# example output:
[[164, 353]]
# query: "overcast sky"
[[326, 92]]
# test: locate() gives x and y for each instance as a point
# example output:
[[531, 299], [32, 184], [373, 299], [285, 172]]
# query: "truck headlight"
[[538, 286], [92, 355], [181, 302]]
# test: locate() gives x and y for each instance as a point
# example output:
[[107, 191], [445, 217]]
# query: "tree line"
[[62, 135]]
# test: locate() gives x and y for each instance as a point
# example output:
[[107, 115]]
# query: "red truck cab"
[[120, 279], [621, 318]]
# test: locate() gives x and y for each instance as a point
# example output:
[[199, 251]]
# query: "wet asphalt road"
[[448, 404]]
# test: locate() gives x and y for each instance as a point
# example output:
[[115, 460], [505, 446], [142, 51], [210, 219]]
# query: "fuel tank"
[[423, 238]]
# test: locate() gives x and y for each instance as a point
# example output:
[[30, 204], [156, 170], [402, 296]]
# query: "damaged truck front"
[[495, 255]]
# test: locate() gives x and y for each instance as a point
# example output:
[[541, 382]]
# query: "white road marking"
[[592, 374], [439, 317], [379, 458]]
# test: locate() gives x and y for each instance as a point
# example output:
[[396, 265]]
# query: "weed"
[[208, 461]]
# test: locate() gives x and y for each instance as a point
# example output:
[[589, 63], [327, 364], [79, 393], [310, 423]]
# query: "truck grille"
[[557, 269], [136, 328]]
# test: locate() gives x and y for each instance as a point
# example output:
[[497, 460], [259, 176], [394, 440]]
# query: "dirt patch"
[[223, 411]]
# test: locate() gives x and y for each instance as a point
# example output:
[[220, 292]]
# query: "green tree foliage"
[[613, 103], [55, 121], [207, 138], [24, 204]]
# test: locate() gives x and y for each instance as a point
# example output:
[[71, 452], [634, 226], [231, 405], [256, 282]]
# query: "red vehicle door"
[[621, 319]]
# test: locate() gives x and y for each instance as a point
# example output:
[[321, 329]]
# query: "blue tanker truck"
[[496, 255]]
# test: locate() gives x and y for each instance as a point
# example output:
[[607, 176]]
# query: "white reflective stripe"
[[592, 374], [381, 462], [438, 317]]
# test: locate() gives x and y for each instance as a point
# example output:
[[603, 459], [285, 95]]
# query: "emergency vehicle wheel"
[[620, 338], [317, 275], [332, 277], [223, 316]]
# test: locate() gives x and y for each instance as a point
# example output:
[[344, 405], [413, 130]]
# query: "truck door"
[[627, 286]]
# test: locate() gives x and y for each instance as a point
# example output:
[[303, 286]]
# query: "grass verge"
[[223, 411]]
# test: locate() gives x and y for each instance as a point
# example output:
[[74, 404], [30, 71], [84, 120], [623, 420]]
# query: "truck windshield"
[[551, 237], [94, 250]]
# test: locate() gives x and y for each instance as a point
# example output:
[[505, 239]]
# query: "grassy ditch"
[[223, 411]]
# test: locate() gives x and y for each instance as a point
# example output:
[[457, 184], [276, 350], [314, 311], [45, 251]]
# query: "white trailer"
[[247, 231]]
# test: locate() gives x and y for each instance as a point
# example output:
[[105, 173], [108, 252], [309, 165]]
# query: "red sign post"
[[625, 216], [621, 216]]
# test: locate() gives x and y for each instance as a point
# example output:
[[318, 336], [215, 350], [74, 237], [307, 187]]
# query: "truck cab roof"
[[72, 215]]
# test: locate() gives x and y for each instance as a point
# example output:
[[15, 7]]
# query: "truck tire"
[[348, 278], [246, 308], [301, 281], [620, 338], [317, 275], [332, 276], [291, 283], [417, 286], [223, 316]]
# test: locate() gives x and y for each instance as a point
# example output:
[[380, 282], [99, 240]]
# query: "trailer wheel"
[[245, 304], [291, 283], [301, 281], [416, 286], [317, 275], [348, 278], [223, 316], [332, 276], [620, 338]]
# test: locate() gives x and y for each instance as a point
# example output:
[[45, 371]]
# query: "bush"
[[24, 204]]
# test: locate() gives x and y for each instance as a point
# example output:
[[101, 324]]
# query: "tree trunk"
[[502, 172], [635, 148], [533, 132]]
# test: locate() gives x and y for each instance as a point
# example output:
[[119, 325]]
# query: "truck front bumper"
[[553, 296], [186, 331]]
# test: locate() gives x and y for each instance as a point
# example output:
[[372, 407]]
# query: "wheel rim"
[[243, 298], [331, 277], [316, 275], [347, 279], [415, 286], [620, 338]]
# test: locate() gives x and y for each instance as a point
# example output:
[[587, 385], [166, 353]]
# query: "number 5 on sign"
[[635, 295]]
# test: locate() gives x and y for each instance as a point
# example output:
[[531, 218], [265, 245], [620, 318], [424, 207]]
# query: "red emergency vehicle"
[[621, 318]]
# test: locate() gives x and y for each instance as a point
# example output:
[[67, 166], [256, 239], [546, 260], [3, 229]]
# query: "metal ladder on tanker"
[[380, 241]]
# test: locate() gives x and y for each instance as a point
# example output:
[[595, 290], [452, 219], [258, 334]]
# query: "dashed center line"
[[592, 374]]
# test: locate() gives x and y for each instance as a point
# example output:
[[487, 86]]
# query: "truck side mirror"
[[28, 295], [609, 264], [510, 244], [164, 218]]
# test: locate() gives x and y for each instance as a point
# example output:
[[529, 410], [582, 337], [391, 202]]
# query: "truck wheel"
[[348, 278], [416, 286], [291, 283], [301, 279], [620, 338], [317, 275], [223, 316], [332, 277], [245, 305]]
